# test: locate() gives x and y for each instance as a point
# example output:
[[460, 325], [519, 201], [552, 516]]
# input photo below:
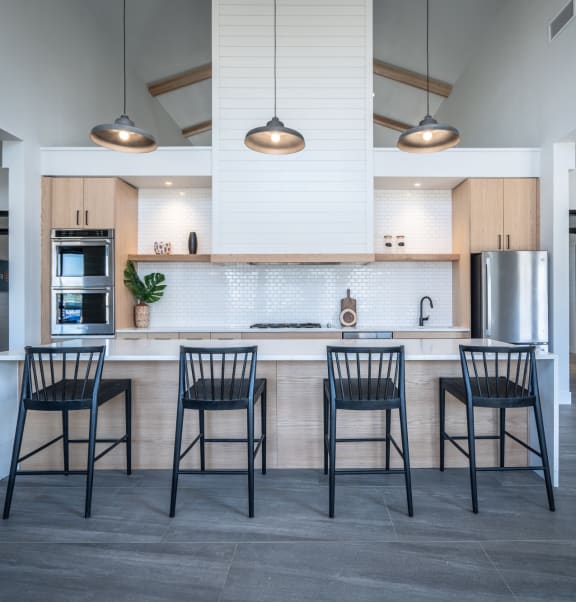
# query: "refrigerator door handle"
[[488, 297]]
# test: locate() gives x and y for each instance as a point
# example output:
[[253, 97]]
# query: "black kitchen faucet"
[[422, 319]]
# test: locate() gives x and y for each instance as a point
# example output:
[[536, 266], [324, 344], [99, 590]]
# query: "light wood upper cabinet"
[[83, 202], [521, 214], [503, 214]]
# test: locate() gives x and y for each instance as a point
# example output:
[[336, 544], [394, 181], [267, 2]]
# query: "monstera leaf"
[[148, 290]]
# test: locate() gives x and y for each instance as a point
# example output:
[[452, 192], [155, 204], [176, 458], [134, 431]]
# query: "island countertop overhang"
[[306, 350]]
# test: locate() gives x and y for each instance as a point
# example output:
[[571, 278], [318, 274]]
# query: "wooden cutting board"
[[348, 315]]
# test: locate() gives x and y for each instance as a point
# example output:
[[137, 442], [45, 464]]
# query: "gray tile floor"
[[514, 549]]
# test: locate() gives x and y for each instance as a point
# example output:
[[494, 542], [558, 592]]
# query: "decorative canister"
[[192, 243], [162, 248]]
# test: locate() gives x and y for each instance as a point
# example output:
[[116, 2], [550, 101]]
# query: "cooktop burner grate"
[[287, 325]]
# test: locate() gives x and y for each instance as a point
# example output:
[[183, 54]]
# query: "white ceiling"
[[167, 37]]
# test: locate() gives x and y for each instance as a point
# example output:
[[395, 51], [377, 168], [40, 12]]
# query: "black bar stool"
[[365, 378], [62, 380], [499, 378], [219, 379]]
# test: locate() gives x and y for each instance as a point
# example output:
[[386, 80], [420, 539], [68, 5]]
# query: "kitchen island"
[[295, 369]]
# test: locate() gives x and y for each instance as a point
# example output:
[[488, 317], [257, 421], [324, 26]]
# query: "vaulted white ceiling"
[[167, 37]]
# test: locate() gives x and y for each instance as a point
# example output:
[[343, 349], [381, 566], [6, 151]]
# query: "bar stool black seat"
[[65, 379], [498, 378], [214, 379], [363, 379]]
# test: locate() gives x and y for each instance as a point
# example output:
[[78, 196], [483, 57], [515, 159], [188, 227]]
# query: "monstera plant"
[[145, 291]]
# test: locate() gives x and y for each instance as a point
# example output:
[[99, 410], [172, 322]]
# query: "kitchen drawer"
[[194, 336], [432, 334], [131, 336], [162, 336], [225, 336]]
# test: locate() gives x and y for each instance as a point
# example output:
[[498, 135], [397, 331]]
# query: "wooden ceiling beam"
[[391, 124], [180, 81], [197, 128], [386, 122], [398, 74], [411, 78]]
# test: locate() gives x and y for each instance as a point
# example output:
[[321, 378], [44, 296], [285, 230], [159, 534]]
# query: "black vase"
[[192, 243]]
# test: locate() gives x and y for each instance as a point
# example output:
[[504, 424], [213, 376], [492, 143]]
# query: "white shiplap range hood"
[[318, 201]]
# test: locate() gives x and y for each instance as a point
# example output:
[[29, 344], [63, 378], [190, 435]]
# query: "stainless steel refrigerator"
[[3, 280], [510, 296]]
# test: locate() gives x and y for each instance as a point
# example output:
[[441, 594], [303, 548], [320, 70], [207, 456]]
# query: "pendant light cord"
[[124, 64], [275, 86], [427, 57]]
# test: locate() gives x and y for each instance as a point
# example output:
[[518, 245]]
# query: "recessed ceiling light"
[[417, 184], [167, 183]]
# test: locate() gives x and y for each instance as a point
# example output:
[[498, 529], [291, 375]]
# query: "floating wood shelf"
[[171, 258], [417, 257], [289, 258]]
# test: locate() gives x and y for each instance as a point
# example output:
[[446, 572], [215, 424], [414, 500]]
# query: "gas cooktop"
[[287, 325]]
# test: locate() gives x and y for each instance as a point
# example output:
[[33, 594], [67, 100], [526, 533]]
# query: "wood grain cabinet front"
[[504, 214], [83, 202]]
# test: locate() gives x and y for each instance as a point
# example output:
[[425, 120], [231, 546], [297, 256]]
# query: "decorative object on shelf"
[[162, 248], [123, 135], [428, 136], [192, 243], [348, 315], [401, 242], [274, 138], [387, 242], [145, 292]]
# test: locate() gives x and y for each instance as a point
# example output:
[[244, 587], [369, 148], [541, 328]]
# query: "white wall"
[[61, 75], [319, 200], [519, 91]]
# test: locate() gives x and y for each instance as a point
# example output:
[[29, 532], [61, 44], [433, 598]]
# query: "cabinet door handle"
[[86, 212], [77, 217], [508, 241], [499, 241]]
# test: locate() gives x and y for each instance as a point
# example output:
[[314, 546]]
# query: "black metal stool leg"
[[406, 458], [176, 462], [128, 409], [325, 416], [442, 420], [90, 463], [250, 425], [472, 456], [332, 461], [201, 424], [14, 462], [502, 446], [388, 424], [65, 441], [544, 452], [263, 427]]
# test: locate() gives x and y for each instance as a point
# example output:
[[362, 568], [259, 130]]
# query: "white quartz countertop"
[[145, 350]]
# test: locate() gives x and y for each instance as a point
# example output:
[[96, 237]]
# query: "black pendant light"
[[274, 138], [123, 135], [429, 136]]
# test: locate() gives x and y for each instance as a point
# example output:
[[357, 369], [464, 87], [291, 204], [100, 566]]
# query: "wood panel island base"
[[295, 370]]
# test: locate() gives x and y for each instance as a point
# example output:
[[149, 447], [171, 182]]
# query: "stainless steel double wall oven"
[[82, 299]]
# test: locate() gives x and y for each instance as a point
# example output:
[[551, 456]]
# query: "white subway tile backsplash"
[[169, 215], [237, 295], [423, 217]]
